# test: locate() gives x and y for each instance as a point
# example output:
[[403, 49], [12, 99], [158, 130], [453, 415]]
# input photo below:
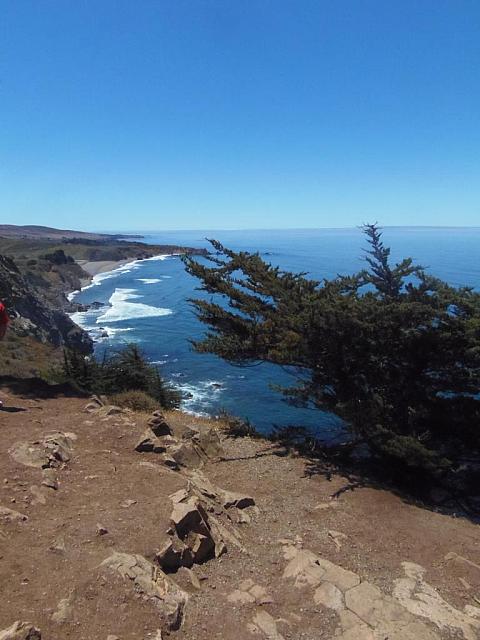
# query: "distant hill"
[[48, 233]]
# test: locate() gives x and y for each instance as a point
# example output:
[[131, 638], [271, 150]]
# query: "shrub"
[[121, 371], [135, 400], [236, 427]]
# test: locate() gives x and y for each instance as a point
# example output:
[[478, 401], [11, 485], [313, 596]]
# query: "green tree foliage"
[[392, 350], [121, 371]]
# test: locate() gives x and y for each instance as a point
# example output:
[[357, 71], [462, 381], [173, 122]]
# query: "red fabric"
[[4, 319]]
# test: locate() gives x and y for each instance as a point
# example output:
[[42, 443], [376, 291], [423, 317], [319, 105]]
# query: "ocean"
[[146, 302]]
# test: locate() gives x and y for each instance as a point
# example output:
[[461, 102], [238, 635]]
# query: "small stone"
[[128, 503], [238, 500], [49, 478], [160, 426], [64, 610], [9, 515], [101, 530]]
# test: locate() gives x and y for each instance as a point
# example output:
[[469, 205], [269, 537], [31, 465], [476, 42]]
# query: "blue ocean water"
[[146, 302]]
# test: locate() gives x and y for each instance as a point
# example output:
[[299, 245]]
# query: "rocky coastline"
[[37, 277]]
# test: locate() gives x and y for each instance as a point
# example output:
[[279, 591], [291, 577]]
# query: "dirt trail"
[[81, 555]]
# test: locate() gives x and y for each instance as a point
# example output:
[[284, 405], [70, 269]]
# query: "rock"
[[49, 478], [309, 569], [179, 496], [249, 592], [128, 503], [38, 494], [202, 547], [243, 518], [238, 500], [159, 426], [333, 504], [171, 463], [91, 407], [421, 599], [259, 593], [30, 454], [337, 537], [266, 624], [110, 410], [51, 450], [59, 447], [146, 443], [149, 443], [191, 432], [110, 637], [64, 610], [185, 455], [155, 585], [372, 606], [189, 517], [209, 442], [340, 577], [101, 530], [173, 555], [203, 485], [58, 545], [471, 611], [460, 560], [192, 578], [21, 631], [329, 596], [9, 515]]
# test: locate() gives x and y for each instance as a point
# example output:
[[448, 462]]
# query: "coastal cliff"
[[37, 271], [35, 301]]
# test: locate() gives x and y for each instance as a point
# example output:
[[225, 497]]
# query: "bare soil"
[[54, 555]]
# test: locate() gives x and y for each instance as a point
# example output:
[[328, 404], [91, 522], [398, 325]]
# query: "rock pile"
[[51, 451], [201, 526], [190, 451]]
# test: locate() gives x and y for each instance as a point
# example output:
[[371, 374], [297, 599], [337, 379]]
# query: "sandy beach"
[[101, 266]]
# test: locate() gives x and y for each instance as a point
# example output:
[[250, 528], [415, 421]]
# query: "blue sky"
[[155, 114]]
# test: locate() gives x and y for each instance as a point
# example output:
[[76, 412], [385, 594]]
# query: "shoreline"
[[95, 268]]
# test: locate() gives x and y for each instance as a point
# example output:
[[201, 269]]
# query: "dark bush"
[[117, 372]]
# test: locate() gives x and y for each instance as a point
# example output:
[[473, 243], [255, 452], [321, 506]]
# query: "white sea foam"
[[111, 332], [198, 398], [125, 268], [149, 280], [122, 309]]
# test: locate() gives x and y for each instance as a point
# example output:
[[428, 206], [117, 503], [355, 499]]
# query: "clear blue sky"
[[156, 114]]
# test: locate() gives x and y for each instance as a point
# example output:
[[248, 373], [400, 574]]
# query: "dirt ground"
[[113, 498]]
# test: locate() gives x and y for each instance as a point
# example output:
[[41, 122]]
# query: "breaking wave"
[[122, 309], [198, 399]]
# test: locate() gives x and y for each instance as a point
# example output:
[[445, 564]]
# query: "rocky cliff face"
[[35, 301]]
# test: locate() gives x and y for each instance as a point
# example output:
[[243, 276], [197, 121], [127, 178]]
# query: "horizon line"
[[205, 229]]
